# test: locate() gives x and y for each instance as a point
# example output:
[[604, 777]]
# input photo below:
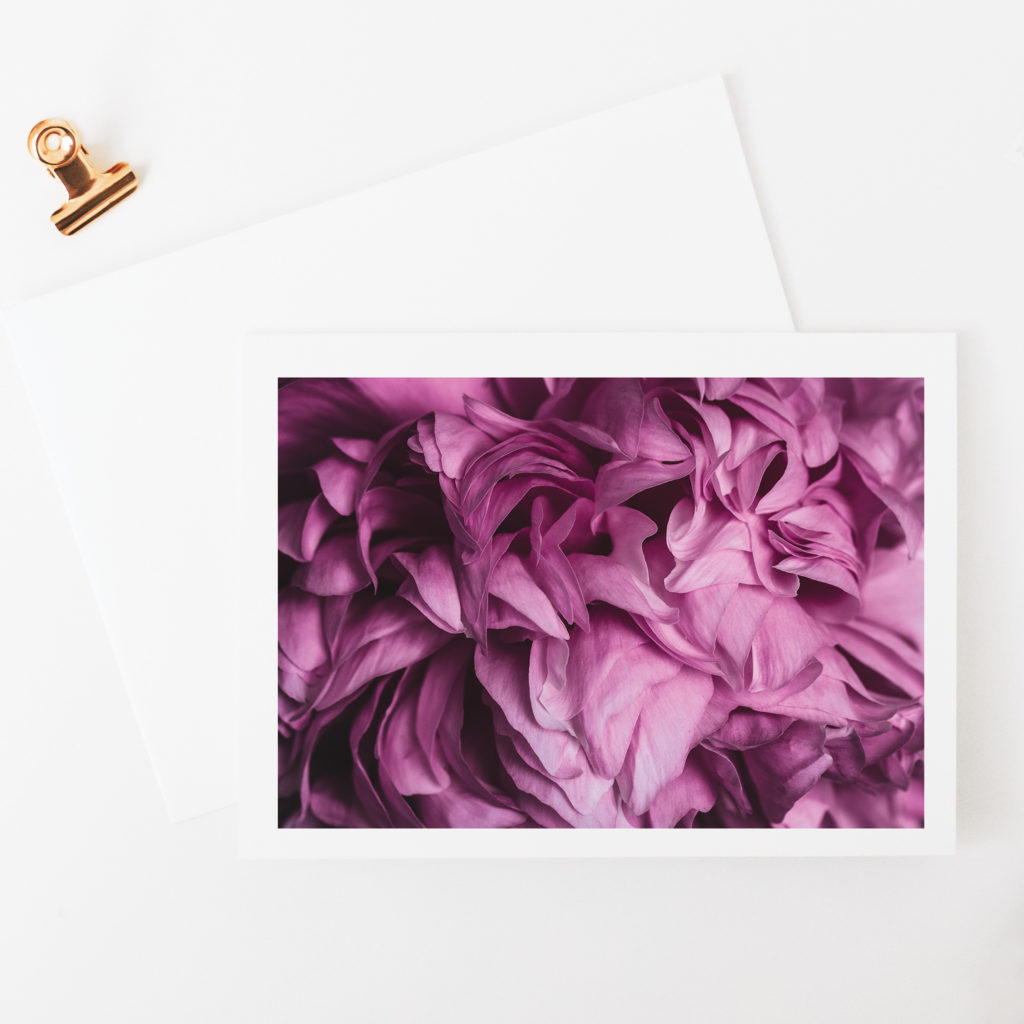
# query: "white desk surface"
[[886, 141]]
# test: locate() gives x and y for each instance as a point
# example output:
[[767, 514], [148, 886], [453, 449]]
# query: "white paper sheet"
[[639, 218]]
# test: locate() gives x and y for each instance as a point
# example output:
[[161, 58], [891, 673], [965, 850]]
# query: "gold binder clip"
[[91, 192]]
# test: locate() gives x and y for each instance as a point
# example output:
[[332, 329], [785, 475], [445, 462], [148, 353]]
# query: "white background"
[[884, 138]]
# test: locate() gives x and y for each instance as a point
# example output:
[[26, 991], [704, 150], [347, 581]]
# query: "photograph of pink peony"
[[601, 603]]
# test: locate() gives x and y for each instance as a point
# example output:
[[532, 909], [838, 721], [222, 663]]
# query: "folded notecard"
[[598, 594], [642, 217]]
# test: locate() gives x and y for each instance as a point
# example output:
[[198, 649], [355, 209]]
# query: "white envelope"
[[639, 218]]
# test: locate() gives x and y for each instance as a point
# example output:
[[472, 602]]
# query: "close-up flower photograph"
[[601, 603]]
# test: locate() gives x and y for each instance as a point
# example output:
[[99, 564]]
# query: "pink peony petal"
[[658, 438], [608, 674], [504, 673], [692, 791], [300, 630], [340, 480], [335, 569], [718, 388], [431, 587], [746, 729], [398, 398], [821, 433], [616, 407], [783, 771], [628, 529], [407, 743], [667, 730], [787, 640], [453, 443], [493, 422], [511, 581], [597, 799], [388, 635], [602, 579], [390, 509], [727, 565], [359, 449], [301, 526], [617, 481]]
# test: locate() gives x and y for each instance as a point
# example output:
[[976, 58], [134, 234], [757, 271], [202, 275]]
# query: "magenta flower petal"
[[602, 579], [628, 529], [658, 440], [616, 407], [718, 387], [388, 510], [667, 730], [392, 635], [341, 482], [511, 582], [620, 480], [746, 729], [785, 769], [397, 399], [302, 525], [407, 745], [300, 629], [449, 443], [557, 750], [430, 586], [693, 791], [784, 645], [461, 806], [335, 568]]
